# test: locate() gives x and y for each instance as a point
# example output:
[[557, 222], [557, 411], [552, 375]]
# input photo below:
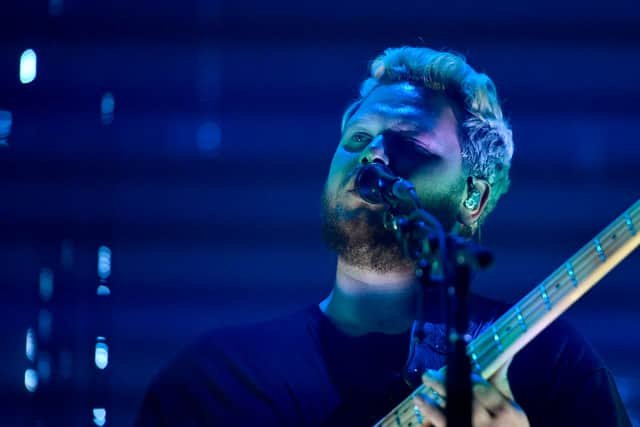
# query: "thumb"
[[501, 381]]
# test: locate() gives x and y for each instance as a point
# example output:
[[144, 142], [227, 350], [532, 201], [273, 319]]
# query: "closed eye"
[[419, 148], [423, 151]]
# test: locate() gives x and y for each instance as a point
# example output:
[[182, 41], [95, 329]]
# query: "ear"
[[469, 215]]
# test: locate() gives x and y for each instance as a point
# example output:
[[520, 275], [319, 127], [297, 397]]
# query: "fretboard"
[[532, 314]]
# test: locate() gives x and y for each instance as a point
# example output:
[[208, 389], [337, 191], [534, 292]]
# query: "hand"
[[492, 405]]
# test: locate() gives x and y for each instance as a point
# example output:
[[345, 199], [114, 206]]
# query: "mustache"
[[353, 173]]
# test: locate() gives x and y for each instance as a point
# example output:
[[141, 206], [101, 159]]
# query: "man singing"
[[433, 120]]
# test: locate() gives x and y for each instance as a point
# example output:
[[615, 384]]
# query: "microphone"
[[377, 184]]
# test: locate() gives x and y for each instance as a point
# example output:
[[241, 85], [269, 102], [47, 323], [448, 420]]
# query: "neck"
[[364, 301]]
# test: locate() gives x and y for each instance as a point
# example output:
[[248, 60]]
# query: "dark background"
[[205, 182]]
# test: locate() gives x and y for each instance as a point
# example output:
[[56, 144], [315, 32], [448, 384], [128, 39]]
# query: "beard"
[[359, 238]]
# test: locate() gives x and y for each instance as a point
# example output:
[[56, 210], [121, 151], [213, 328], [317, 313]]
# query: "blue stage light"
[[99, 416], [103, 290], [104, 262], [46, 284], [44, 367], [208, 138], [28, 66], [107, 107], [31, 380], [6, 119], [101, 356], [30, 346]]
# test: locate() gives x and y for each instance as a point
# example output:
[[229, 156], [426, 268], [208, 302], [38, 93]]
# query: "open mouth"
[[356, 195]]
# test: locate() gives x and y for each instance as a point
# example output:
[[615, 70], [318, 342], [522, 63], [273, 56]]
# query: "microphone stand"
[[446, 261]]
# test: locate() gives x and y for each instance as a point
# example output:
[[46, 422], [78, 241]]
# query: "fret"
[[535, 305], [596, 241], [516, 328], [473, 355], [545, 296], [418, 415], [627, 219], [572, 274], [496, 338], [521, 321], [474, 359]]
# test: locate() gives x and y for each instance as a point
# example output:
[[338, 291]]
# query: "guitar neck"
[[532, 314]]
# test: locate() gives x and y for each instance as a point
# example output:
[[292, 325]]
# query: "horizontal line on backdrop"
[[226, 233], [274, 101], [230, 170], [259, 30]]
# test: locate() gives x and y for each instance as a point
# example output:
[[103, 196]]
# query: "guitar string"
[[578, 265], [531, 308], [404, 412], [405, 409], [586, 252], [583, 262], [578, 262]]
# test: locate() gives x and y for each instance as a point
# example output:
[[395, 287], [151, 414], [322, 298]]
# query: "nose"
[[375, 152]]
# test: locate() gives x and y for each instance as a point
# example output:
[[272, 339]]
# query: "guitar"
[[545, 303]]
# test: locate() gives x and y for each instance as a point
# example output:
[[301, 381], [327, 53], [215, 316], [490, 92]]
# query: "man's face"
[[415, 133]]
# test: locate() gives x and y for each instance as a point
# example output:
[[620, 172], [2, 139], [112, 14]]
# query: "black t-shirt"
[[300, 370]]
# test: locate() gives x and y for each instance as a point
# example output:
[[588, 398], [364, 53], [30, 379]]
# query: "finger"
[[436, 381], [487, 395], [480, 416], [429, 412], [501, 381]]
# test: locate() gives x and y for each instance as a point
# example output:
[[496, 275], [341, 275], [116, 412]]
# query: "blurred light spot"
[[30, 348], [28, 66], [104, 262], [66, 254], [44, 324], [208, 138], [46, 284], [103, 290], [101, 355], [107, 107], [31, 380], [55, 7], [65, 364], [99, 416], [6, 119], [44, 367]]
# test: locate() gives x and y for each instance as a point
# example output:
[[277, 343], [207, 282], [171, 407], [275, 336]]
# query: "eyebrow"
[[395, 122], [412, 132]]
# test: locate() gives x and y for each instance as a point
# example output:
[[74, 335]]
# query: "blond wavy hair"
[[486, 137]]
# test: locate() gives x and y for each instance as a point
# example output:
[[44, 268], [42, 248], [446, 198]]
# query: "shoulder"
[[252, 344], [228, 369]]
